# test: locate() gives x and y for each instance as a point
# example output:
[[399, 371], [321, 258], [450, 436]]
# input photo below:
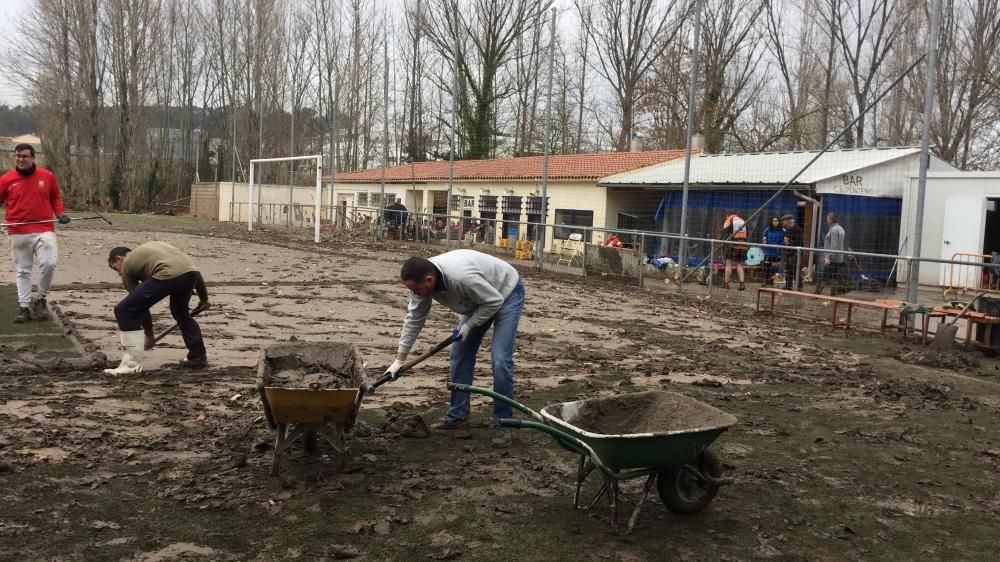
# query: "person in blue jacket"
[[773, 235]]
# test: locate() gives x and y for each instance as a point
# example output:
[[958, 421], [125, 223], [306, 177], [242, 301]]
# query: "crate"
[[525, 245], [502, 243], [524, 255]]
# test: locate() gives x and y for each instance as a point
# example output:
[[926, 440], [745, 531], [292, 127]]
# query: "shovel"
[[945, 335], [52, 221], [197, 310], [408, 365]]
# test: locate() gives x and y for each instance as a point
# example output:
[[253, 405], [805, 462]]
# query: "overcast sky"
[[10, 90]]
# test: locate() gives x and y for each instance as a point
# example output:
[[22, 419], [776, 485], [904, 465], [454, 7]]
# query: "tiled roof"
[[561, 167]]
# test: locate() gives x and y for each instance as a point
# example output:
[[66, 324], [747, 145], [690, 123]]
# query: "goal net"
[[286, 191]]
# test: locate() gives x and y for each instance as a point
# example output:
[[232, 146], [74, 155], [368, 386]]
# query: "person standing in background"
[[32, 195]]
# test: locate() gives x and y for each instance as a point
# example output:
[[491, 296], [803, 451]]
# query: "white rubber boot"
[[132, 343]]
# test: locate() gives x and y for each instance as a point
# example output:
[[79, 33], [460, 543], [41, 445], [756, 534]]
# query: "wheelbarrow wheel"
[[685, 491]]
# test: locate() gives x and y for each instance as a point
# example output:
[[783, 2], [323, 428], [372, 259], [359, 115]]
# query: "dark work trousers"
[[134, 308], [836, 275], [792, 266], [770, 266]]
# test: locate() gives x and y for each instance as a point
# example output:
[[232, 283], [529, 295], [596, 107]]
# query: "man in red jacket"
[[32, 194]]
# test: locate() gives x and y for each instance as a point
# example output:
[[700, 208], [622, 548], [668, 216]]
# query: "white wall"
[[572, 194], [954, 210]]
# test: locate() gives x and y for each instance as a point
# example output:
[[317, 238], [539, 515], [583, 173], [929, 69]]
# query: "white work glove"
[[393, 370], [461, 333]]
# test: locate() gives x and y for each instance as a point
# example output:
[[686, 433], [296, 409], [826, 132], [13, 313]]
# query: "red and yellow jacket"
[[31, 198]]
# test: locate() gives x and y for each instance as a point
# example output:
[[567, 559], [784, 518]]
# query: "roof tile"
[[561, 166]]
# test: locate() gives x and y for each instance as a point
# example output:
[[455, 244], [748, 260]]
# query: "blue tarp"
[[728, 200], [857, 205]]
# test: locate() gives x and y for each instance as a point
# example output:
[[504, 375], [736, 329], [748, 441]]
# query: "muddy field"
[[848, 446]]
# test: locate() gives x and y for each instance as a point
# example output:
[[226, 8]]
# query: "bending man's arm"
[[416, 316], [201, 290]]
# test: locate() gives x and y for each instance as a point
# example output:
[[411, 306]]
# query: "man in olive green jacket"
[[150, 273]]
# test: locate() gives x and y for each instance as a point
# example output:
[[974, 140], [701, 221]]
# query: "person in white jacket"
[[484, 291]]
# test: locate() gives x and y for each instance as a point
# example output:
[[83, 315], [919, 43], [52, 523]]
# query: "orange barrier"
[[971, 273]]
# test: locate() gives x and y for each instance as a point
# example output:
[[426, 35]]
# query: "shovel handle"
[[412, 363], [197, 310], [53, 221]]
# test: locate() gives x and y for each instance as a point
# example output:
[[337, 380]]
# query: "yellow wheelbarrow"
[[310, 390], [324, 401]]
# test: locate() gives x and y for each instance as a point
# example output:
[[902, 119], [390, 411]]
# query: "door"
[[961, 233]]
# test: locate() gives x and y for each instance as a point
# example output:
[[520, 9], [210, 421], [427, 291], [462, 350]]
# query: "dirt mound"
[[642, 412], [305, 364], [401, 420], [29, 364], [939, 359]]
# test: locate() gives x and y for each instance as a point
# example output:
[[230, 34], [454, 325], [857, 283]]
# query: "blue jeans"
[[463, 357]]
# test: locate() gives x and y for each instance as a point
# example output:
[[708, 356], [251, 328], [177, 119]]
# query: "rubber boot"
[[132, 344]]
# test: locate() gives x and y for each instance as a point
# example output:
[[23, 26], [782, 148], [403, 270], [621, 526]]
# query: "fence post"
[[642, 266], [711, 265], [583, 257], [798, 269]]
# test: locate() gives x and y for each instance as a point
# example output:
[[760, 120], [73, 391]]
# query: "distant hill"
[[17, 120]]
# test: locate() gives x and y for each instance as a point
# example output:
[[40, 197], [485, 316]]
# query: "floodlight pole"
[[548, 144], [925, 158], [692, 90], [451, 152], [385, 129]]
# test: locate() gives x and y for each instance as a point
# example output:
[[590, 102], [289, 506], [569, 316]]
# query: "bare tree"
[[486, 32], [866, 31], [966, 81], [629, 37], [731, 49]]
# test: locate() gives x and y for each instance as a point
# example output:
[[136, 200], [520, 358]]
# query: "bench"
[[836, 303], [971, 318]]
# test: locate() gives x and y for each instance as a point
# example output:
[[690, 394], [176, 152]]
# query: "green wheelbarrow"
[[662, 436]]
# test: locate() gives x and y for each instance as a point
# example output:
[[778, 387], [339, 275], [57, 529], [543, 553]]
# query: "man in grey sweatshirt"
[[484, 291], [834, 265]]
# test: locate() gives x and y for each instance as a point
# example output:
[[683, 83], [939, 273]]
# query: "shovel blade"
[[945, 336]]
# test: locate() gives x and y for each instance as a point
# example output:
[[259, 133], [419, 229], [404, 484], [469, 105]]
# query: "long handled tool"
[[945, 335], [197, 310], [98, 216], [408, 365]]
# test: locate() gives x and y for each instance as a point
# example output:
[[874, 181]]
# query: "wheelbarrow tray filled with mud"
[[663, 430], [663, 436], [310, 390]]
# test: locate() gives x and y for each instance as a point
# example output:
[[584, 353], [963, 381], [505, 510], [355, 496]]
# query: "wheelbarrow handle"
[[487, 392], [411, 363], [564, 437]]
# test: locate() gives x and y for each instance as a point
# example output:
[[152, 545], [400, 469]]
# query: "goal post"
[[319, 188]]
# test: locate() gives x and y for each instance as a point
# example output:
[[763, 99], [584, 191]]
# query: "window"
[[568, 218], [511, 205], [363, 199], [487, 204]]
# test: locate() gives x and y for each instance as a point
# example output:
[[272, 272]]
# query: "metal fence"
[[642, 259], [638, 257]]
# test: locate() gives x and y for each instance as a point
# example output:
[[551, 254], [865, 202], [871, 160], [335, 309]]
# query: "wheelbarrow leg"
[[612, 487], [648, 487], [279, 446], [582, 472]]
